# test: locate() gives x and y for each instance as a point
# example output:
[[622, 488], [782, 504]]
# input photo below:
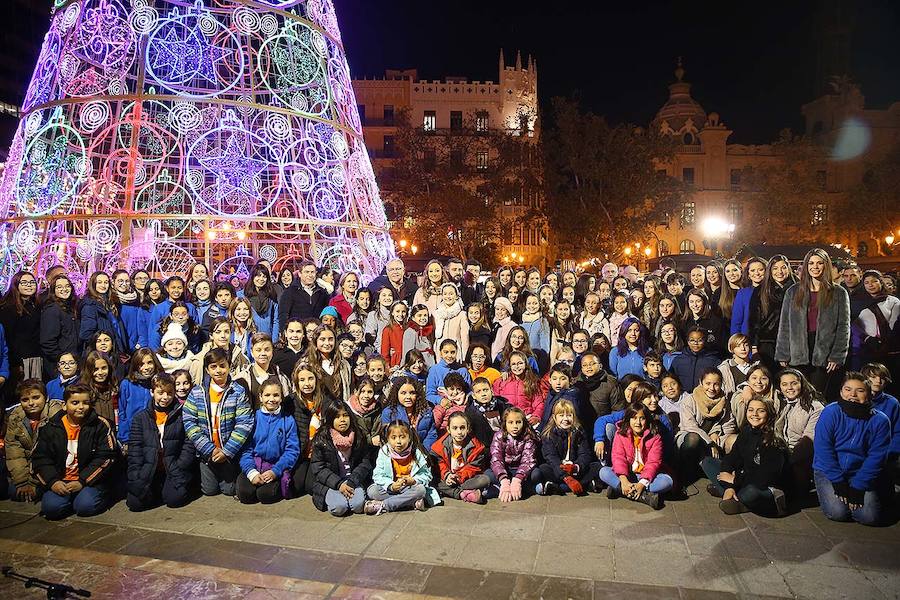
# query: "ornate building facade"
[[510, 104]]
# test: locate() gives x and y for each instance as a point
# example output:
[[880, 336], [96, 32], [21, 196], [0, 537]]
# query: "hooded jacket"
[[849, 450], [472, 462], [274, 440], [689, 364], [96, 451], [513, 390], [509, 454], [20, 440], [436, 375], [891, 408], [383, 473], [133, 398], [145, 448], [325, 466], [425, 429]]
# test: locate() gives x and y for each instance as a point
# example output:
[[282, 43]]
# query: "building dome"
[[680, 107]]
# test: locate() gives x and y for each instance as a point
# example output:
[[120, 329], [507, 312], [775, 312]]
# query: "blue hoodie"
[[133, 398], [425, 428], [688, 365], [850, 450], [57, 386], [632, 363], [274, 440], [890, 406], [134, 318], [436, 375]]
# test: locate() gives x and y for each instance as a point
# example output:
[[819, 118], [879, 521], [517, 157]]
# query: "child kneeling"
[[402, 475], [341, 462], [269, 457], [461, 460], [74, 454], [161, 460], [637, 459]]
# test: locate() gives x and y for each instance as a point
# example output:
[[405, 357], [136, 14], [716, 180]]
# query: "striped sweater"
[[235, 418]]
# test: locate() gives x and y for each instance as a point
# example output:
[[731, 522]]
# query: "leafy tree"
[[604, 185], [448, 188], [873, 205]]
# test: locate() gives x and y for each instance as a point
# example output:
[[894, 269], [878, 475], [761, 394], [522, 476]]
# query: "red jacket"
[[651, 452], [392, 344], [343, 307], [474, 459]]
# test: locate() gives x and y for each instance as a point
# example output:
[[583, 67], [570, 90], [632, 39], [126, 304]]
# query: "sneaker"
[[613, 493], [595, 486], [550, 488], [780, 501], [650, 499], [713, 490], [473, 496], [732, 507], [374, 507], [420, 505], [539, 489]]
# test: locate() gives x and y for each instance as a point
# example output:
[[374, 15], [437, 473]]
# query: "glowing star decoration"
[[149, 124]]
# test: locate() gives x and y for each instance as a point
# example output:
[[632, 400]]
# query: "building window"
[[688, 214], [481, 121], [362, 113], [517, 236], [821, 179], [736, 180], [388, 146], [687, 247], [735, 212], [456, 120], [507, 237], [663, 248], [687, 175], [430, 121], [862, 250], [819, 214], [688, 139], [456, 159], [430, 159], [481, 160], [389, 114]]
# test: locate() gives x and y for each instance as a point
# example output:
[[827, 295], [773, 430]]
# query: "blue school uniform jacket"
[[436, 376], [274, 440], [94, 318], [134, 320], [740, 311], [850, 450], [133, 398], [425, 428], [620, 366], [890, 406], [157, 314], [56, 387], [571, 394]]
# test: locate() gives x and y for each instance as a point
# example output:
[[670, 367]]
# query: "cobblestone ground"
[[557, 547]]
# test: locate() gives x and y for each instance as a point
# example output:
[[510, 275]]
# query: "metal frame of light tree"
[[155, 132]]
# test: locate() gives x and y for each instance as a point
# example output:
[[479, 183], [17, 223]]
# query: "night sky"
[[753, 62]]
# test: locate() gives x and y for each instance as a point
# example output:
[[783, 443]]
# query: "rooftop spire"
[[518, 60], [502, 61], [679, 70]]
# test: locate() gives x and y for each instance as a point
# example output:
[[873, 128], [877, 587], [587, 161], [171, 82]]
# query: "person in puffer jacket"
[[161, 460], [566, 455], [694, 359], [462, 460], [218, 419], [513, 452], [22, 426], [270, 455], [637, 470], [851, 445]]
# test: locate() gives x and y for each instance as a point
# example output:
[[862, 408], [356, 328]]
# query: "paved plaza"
[[556, 547]]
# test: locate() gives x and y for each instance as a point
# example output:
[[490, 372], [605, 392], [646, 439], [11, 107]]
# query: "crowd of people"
[[771, 381]]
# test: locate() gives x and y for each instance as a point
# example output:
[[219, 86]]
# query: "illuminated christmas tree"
[[159, 132]]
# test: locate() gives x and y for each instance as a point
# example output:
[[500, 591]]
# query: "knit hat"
[[173, 332], [504, 303], [329, 310]]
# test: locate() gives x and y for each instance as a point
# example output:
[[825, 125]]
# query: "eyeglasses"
[[28, 283], [67, 363]]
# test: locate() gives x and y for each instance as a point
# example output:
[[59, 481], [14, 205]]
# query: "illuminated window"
[[735, 212], [687, 247], [688, 214], [481, 160], [430, 121], [819, 214], [481, 122]]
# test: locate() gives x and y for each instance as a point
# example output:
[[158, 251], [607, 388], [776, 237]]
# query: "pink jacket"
[[651, 452], [514, 391]]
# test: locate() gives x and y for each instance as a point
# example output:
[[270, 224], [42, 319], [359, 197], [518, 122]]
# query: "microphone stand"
[[55, 591]]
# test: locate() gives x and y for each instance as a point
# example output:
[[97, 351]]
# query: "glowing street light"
[[648, 251], [627, 251], [414, 248], [403, 244], [521, 258], [889, 238]]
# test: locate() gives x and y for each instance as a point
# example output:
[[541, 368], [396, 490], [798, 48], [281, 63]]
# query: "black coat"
[[764, 328], [23, 333], [553, 451], [178, 453], [302, 415], [325, 467], [715, 328], [756, 464], [59, 332], [481, 336], [481, 428], [297, 304], [96, 451]]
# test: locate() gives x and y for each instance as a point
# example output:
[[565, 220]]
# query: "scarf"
[[855, 410], [357, 408], [709, 408], [528, 317], [404, 455], [127, 297], [260, 303], [343, 442], [442, 314], [421, 330], [483, 408]]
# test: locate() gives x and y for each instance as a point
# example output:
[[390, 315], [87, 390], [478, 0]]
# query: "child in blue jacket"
[[851, 446], [605, 426], [270, 455]]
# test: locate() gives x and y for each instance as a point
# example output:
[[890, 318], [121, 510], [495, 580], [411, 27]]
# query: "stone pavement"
[[556, 547]]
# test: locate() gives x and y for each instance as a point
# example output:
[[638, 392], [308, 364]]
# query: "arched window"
[[663, 248], [687, 247], [688, 139], [862, 250]]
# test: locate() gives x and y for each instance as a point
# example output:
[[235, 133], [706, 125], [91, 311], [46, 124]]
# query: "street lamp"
[[403, 244], [627, 251], [414, 249], [889, 238], [715, 229]]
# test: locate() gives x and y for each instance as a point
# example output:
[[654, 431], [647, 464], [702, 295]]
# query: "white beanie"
[[173, 332], [505, 303]]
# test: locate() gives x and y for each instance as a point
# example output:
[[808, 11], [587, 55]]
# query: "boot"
[[650, 499], [613, 493]]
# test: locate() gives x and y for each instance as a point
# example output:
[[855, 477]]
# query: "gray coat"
[[832, 331]]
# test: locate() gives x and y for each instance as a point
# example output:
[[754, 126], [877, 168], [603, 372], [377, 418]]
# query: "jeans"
[[661, 483], [267, 493], [691, 450], [870, 513], [339, 506], [218, 478], [405, 498], [161, 491], [88, 502], [759, 500]]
